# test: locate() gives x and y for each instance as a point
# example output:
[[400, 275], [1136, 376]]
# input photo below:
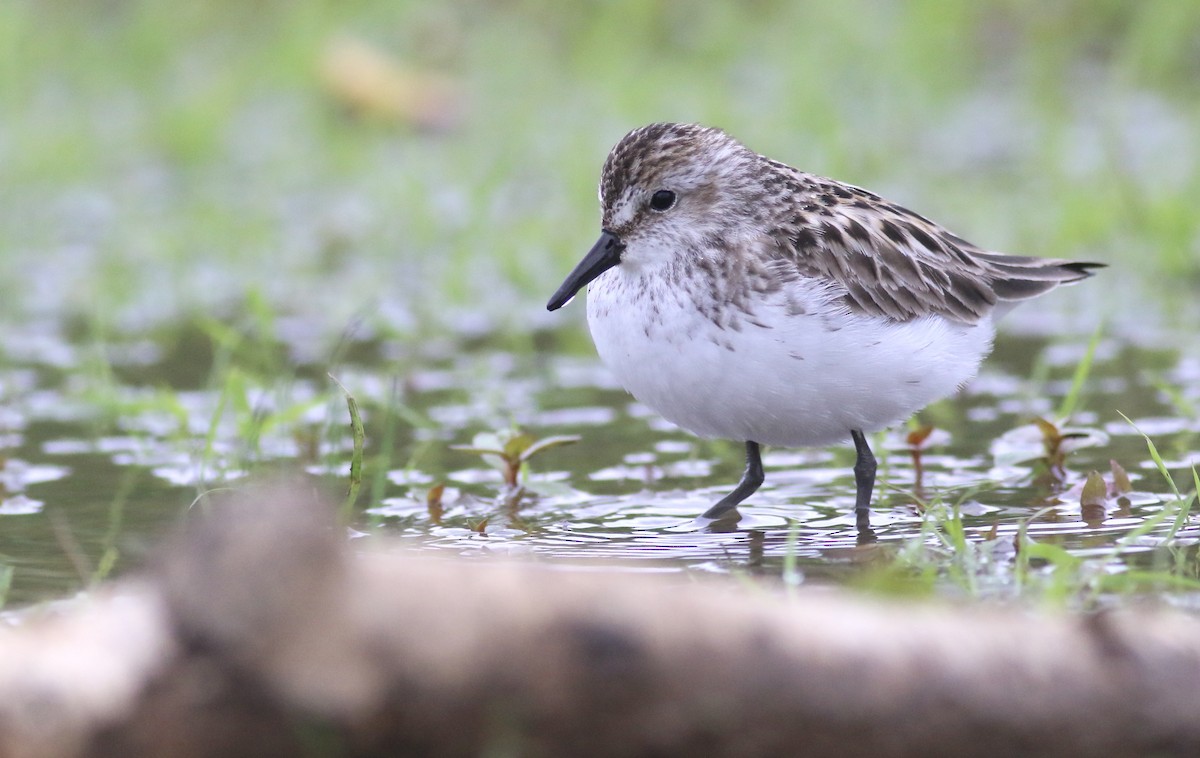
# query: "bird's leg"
[[864, 479], [752, 479]]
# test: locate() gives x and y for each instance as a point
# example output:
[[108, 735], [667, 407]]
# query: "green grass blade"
[[1071, 402], [1154, 455], [356, 458]]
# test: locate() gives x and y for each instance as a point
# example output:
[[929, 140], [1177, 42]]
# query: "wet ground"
[[97, 462]]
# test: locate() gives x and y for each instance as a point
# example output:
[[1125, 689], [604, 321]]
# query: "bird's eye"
[[662, 200]]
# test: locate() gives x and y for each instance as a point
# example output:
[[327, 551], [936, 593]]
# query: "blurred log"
[[258, 632]]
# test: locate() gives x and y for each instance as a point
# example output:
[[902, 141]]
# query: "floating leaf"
[[516, 445], [1093, 500], [1042, 439], [1049, 429], [1095, 491], [548, 442], [477, 450], [1052, 440], [1120, 480], [508, 451]]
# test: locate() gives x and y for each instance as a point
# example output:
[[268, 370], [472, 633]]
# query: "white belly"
[[790, 380]]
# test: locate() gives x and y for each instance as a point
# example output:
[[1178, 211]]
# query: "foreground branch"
[[259, 633]]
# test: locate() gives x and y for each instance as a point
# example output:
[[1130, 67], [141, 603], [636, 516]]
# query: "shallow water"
[[96, 467], [630, 492]]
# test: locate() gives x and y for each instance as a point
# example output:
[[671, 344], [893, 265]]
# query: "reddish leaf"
[[433, 502], [917, 436]]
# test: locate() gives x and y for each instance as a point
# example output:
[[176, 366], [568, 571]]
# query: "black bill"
[[605, 254]]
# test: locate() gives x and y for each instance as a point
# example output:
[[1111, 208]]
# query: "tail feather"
[[1018, 277]]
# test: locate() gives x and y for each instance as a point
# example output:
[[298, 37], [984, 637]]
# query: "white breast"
[[775, 376]]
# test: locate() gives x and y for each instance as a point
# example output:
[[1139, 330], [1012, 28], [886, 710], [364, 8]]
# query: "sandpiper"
[[744, 299]]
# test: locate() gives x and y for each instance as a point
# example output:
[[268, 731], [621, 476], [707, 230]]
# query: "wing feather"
[[894, 263]]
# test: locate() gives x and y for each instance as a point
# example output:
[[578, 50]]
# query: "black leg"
[[864, 479], [752, 479]]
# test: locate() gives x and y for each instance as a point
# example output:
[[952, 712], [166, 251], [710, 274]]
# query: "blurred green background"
[[401, 161]]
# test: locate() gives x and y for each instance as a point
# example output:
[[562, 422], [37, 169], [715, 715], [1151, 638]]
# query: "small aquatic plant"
[[509, 451]]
